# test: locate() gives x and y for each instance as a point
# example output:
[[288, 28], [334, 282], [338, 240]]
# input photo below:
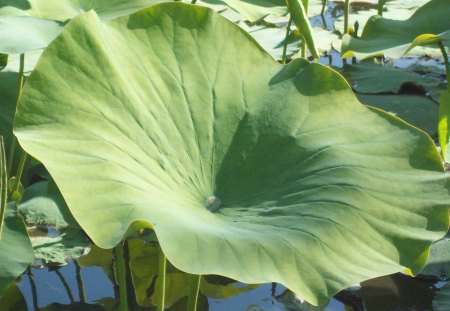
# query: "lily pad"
[[26, 28], [393, 38], [254, 10], [242, 166], [416, 110], [441, 300], [372, 79], [15, 249], [438, 263], [59, 249], [43, 205]]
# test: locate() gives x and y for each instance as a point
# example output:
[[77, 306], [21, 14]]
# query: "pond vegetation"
[[181, 154]]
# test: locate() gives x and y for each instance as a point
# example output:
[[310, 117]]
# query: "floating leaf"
[[16, 252], [393, 38], [242, 166], [416, 110]]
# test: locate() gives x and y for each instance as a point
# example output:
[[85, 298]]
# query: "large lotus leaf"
[[428, 25], [416, 110], [174, 118], [16, 252]]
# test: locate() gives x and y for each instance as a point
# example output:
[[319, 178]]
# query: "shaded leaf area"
[[438, 263], [76, 306], [144, 271], [291, 302], [99, 257], [8, 90], [397, 292], [43, 205], [16, 252], [441, 300], [3, 61], [393, 38], [419, 111], [13, 299], [274, 181]]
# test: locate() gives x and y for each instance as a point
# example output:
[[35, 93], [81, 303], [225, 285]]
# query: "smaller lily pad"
[[394, 38], [441, 300], [374, 79], [438, 263], [16, 252], [58, 249], [416, 110]]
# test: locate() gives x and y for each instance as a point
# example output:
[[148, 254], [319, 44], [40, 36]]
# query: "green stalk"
[[121, 276], [303, 44], [446, 62], [194, 290], [19, 91], [288, 29], [3, 184], [380, 7], [346, 11], [16, 182], [161, 282]]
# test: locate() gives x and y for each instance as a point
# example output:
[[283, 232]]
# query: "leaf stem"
[[161, 282], [3, 184], [303, 43], [446, 62], [16, 182], [380, 7], [346, 12], [121, 277], [288, 29], [19, 91], [194, 290]]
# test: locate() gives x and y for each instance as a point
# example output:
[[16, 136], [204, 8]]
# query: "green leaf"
[[438, 263], [243, 167], [32, 27], [375, 79], [441, 300], [443, 126], [16, 252], [416, 110], [393, 38], [44, 206], [298, 13], [69, 243], [3, 61], [13, 299]]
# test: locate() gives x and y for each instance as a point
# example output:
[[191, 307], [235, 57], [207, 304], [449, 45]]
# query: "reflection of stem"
[[121, 276], [33, 289], [79, 282], [161, 281], [324, 3], [346, 11], [447, 65], [19, 91], [288, 28], [380, 7], [66, 286], [194, 289]]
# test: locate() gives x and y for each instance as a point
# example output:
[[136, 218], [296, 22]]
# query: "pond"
[[71, 273]]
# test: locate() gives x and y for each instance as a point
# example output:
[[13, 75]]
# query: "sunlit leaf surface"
[[174, 118]]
